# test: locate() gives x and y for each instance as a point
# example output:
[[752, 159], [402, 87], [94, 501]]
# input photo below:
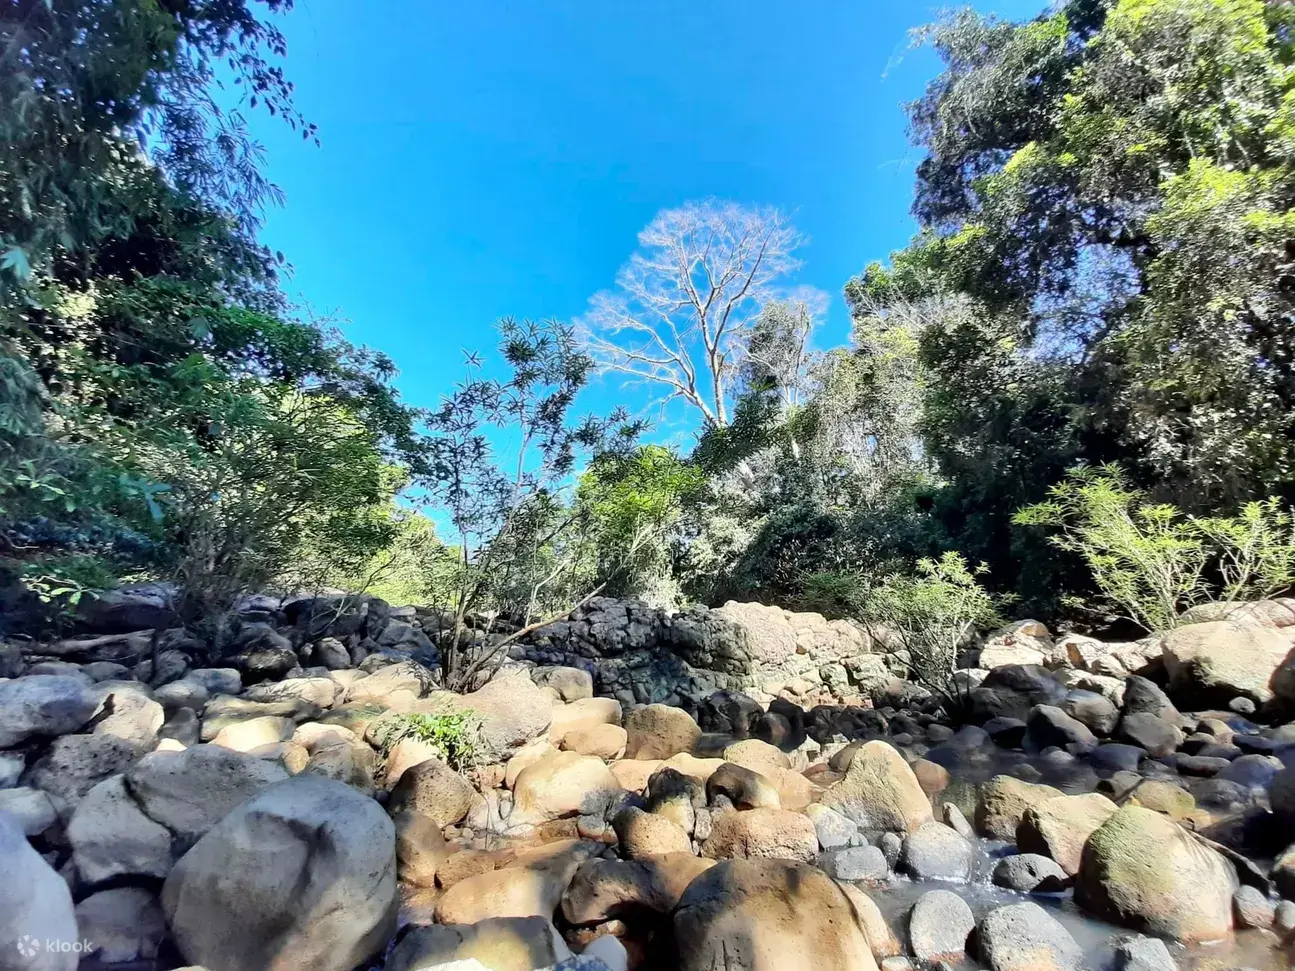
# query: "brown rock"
[[530, 886], [659, 731], [420, 848], [743, 787], [433, 789], [643, 834], [604, 741], [880, 791], [762, 834], [563, 784], [1002, 803], [751, 753], [605, 889], [931, 776], [1059, 827], [768, 915], [498, 943], [581, 715]]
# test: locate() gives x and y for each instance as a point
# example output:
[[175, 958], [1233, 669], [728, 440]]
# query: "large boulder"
[[404, 680], [1025, 937], [1144, 871], [571, 684], [189, 792], [43, 706], [512, 709], [762, 833], [659, 731], [939, 927], [937, 852], [1212, 663], [1012, 690], [1002, 803], [768, 915], [563, 784], [303, 876], [644, 835], [880, 791], [129, 713], [74, 764], [35, 908], [1059, 827], [581, 715]]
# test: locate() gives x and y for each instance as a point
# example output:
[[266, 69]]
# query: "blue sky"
[[486, 159]]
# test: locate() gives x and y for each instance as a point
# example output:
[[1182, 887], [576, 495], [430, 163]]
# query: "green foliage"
[[926, 617], [1152, 562], [455, 736]]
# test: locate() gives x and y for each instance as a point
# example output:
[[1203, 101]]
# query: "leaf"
[[15, 259]]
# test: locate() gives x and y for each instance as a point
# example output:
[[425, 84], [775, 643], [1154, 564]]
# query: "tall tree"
[[685, 305]]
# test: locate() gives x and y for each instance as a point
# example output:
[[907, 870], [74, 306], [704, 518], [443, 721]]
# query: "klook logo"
[[29, 946]]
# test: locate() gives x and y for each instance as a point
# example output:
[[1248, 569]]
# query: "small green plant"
[[1153, 563], [455, 735], [926, 617]]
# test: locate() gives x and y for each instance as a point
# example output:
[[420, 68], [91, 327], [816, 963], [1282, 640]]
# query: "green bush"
[[1150, 561], [454, 735]]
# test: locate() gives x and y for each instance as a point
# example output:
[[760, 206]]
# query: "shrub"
[[454, 735], [1153, 563], [926, 617]]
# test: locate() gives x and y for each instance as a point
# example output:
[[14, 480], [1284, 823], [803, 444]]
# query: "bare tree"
[[685, 304]]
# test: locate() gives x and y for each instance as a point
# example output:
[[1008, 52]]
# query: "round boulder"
[[880, 791], [939, 926], [1059, 827], [762, 834], [659, 731], [1025, 937]]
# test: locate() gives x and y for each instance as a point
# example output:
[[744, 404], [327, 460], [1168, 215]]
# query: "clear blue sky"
[[482, 159]]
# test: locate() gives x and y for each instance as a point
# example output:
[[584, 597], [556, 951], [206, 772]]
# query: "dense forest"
[[1071, 395]]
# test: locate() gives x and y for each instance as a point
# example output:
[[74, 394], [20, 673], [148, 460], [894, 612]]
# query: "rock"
[[939, 926], [124, 924], [530, 886], [762, 834], [73, 765], [420, 848], [217, 681], [31, 809], [955, 820], [1283, 873], [1048, 726], [320, 692], [1143, 697], [603, 889], [880, 791], [759, 915], [643, 835], [1002, 803], [255, 733], [431, 788], [1095, 711], [563, 784], [129, 713], [512, 711], [1281, 794], [405, 679], [495, 944], [189, 792], [111, 837], [1251, 771], [658, 732], [834, 830], [222, 712], [1143, 954], [1163, 796], [35, 906], [268, 662], [582, 715], [1144, 871], [1116, 757], [301, 876], [1284, 920], [730, 713], [604, 741], [933, 778], [744, 788], [1252, 908], [756, 755], [12, 765], [1059, 827], [855, 863], [936, 852], [1214, 662], [1006, 732], [1025, 937], [349, 762], [1158, 735], [1011, 691], [571, 684], [332, 654], [1030, 873], [185, 693], [43, 706], [675, 796]]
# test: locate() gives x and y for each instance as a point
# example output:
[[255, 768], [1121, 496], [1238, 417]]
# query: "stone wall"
[[643, 654]]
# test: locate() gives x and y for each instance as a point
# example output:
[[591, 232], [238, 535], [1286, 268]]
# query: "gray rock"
[[955, 820], [124, 924], [1158, 735], [1025, 937], [1030, 873], [1116, 757], [1048, 726], [939, 926], [855, 863], [112, 838], [1252, 908], [217, 681], [936, 852], [12, 765], [302, 876], [74, 764], [43, 706], [129, 713], [892, 847], [1096, 711], [1143, 954], [191, 791], [30, 808], [834, 829], [35, 906], [332, 654]]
